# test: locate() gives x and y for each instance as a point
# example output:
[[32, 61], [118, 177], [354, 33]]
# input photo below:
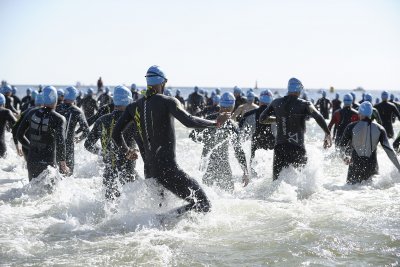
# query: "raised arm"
[[83, 126], [91, 140], [119, 127], [318, 118], [60, 125], [388, 149], [265, 117]]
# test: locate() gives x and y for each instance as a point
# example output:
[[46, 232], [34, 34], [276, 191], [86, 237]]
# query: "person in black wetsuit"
[[360, 141], [179, 97], [60, 95], [46, 131], [239, 98], [27, 98], [216, 144], [6, 117], [154, 133], [324, 105], [290, 115], [135, 92], [73, 115], [375, 113], [105, 98], [211, 109], [89, 104], [195, 103], [262, 135], [7, 91], [355, 105], [79, 99], [336, 103], [343, 117], [31, 103], [17, 101], [23, 151], [116, 165], [395, 102], [386, 111]]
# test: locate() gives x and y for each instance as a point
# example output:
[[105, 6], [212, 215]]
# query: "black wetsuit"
[[386, 111], [360, 140], [26, 99], [262, 135], [180, 99], [324, 104], [10, 104], [17, 102], [195, 103], [116, 165], [107, 109], [73, 115], [28, 105], [153, 118], [216, 141], [89, 106], [355, 105], [341, 118], [25, 150], [291, 113], [104, 99], [239, 100], [336, 105], [6, 116], [46, 141]]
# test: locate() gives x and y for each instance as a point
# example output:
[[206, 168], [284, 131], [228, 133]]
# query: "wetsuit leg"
[[362, 168], [70, 159], [179, 183], [35, 169], [3, 149], [110, 182], [25, 152], [286, 155]]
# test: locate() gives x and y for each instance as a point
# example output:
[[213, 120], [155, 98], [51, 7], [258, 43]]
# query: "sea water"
[[307, 217]]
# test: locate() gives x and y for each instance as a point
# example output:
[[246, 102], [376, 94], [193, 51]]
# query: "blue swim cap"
[[353, 95], [6, 89], [168, 92], [28, 91], [237, 90], [89, 91], [178, 92], [216, 99], [60, 92], [250, 96], [2, 99], [295, 86], [392, 97], [347, 99], [196, 89], [323, 93], [227, 100], [266, 97], [14, 90], [385, 95], [34, 94], [201, 91], [49, 95], [133, 87], [155, 76], [70, 93], [122, 96], [337, 96], [39, 100], [218, 91], [368, 97], [365, 109], [107, 90]]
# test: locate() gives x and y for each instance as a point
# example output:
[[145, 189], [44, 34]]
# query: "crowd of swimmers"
[[46, 123]]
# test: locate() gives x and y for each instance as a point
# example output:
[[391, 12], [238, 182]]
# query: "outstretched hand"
[[19, 151], [245, 180], [222, 118], [327, 141], [132, 154], [347, 160], [64, 169]]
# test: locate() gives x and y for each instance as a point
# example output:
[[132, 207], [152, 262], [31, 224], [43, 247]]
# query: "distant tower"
[[256, 86]]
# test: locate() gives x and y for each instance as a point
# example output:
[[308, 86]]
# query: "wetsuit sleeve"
[[14, 123], [388, 149], [23, 127], [119, 127], [175, 108], [344, 142], [335, 120], [83, 125], [396, 111], [396, 142], [59, 127], [91, 140], [239, 153], [264, 116], [10, 106], [318, 118]]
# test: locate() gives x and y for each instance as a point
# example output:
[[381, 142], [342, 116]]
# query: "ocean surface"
[[306, 218]]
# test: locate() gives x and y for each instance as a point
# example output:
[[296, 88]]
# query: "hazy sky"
[[341, 43]]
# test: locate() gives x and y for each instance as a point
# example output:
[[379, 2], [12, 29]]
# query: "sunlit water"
[[308, 217]]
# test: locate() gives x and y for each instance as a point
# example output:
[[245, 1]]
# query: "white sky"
[[340, 43]]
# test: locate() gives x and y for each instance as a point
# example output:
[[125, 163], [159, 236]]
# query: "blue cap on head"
[[237, 90], [347, 99], [28, 91], [227, 100], [218, 91], [294, 86], [337, 96], [155, 76], [385, 95], [178, 92], [14, 90], [122, 96], [2, 99], [168, 92], [216, 99], [49, 95], [60, 92], [365, 109], [107, 90], [89, 91], [34, 94], [6, 89], [201, 91], [213, 94], [266, 97], [396, 99], [353, 95], [39, 100], [323, 93], [70, 93], [392, 97], [196, 89], [368, 97], [133, 87], [250, 96]]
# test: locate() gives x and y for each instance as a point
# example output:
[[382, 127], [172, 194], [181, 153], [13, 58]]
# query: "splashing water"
[[309, 216]]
